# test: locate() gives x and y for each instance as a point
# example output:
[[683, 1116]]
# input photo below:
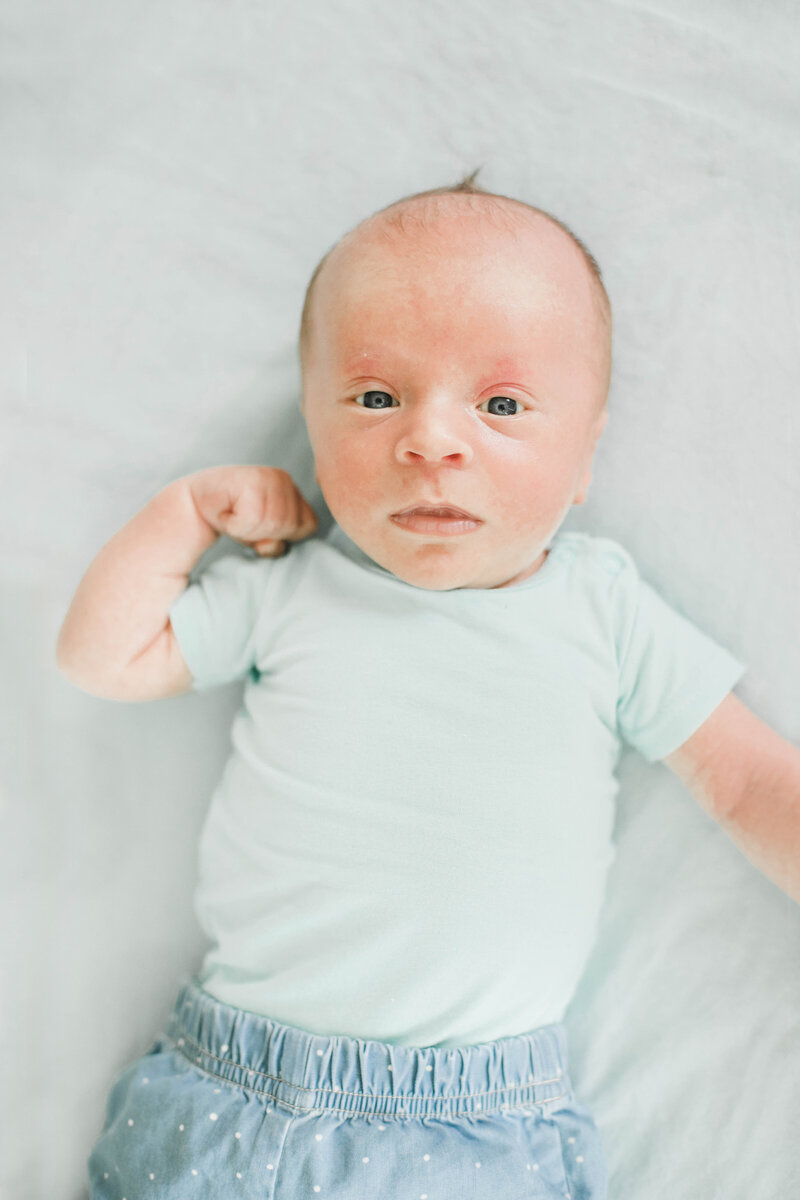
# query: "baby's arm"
[[116, 640], [747, 777]]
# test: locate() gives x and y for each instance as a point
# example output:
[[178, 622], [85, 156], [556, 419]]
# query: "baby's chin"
[[428, 583], [438, 566]]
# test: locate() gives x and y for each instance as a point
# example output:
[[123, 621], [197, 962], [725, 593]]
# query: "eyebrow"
[[364, 364]]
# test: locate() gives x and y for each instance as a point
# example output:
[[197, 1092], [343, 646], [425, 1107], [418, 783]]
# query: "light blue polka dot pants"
[[231, 1105]]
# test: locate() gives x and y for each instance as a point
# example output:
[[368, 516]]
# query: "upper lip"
[[443, 507]]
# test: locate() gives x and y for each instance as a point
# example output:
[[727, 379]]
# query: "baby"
[[404, 862]]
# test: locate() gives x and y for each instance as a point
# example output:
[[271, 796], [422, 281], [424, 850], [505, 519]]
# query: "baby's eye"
[[504, 402], [377, 400], [382, 399]]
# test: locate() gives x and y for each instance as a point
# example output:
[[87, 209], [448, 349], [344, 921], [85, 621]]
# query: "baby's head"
[[456, 350]]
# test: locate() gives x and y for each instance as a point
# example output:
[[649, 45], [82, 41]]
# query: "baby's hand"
[[258, 506]]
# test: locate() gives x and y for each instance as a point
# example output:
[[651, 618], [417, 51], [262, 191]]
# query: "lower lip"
[[420, 523]]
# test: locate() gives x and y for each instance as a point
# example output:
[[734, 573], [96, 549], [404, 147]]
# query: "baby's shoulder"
[[598, 553]]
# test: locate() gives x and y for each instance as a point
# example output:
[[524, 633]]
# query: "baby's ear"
[[600, 423], [583, 490]]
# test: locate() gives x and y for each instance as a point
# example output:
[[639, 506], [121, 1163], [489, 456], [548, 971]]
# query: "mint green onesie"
[[411, 837]]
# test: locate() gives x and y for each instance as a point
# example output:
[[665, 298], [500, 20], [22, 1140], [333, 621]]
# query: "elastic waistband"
[[307, 1072]]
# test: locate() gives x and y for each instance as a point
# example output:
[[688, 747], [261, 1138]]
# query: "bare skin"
[[412, 337]]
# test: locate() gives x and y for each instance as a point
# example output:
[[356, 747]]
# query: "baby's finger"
[[270, 547], [305, 518]]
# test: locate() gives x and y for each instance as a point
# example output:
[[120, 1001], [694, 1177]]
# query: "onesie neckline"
[[339, 540]]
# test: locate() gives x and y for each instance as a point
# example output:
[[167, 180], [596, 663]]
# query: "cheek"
[[352, 454], [530, 492], [348, 473]]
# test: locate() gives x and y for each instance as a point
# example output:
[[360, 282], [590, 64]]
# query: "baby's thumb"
[[275, 547], [309, 523]]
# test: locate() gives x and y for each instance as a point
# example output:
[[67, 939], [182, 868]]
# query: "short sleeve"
[[672, 675], [216, 619]]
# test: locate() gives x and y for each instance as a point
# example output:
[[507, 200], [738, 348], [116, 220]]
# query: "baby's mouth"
[[443, 511], [436, 521]]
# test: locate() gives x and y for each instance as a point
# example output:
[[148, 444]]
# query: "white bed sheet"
[[172, 173]]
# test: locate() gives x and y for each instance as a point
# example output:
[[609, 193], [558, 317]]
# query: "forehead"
[[461, 280]]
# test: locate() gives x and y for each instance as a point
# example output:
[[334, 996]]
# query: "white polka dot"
[[238, 1174], [105, 1176], [571, 1140], [424, 1196], [270, 1167], [429, 1068], [390, 1067], [223, 1049], [536, 1166], [130, 1122], [145, 1080], [316, 1187], [181, 1042], [579, 1158], [217, 1091], [152, 1176], [181, 1128], [319, 1054], [193, 1171], [381, 1127], [237, 1135], [318, 1137], [426, 1158], [478, 1105], [477, 1164], [212, 1116], [199, 1058], [365, 1160]]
